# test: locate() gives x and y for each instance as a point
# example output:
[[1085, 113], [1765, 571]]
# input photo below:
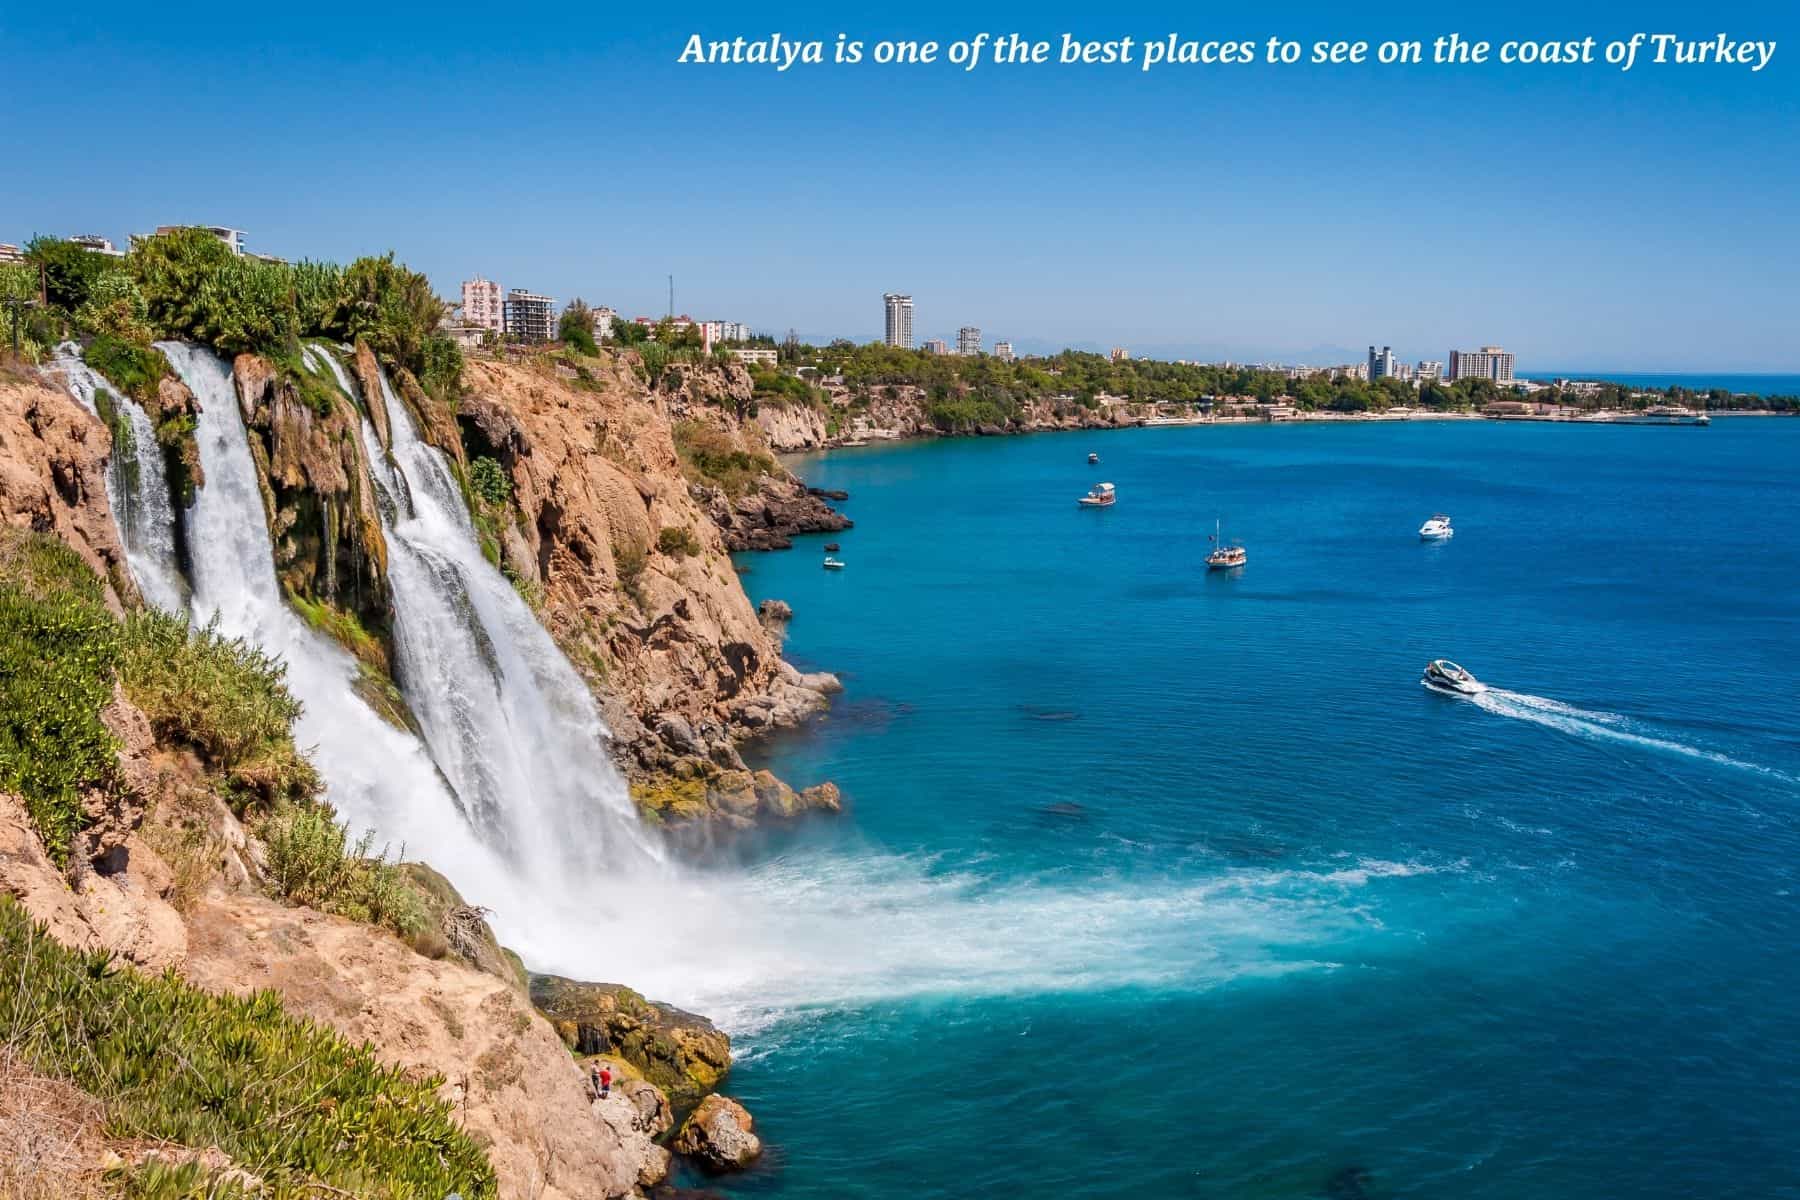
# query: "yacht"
[[1664, 414], [1442, 675], [1224, 556], [1436, 529], [833, 564], [1099, 496]]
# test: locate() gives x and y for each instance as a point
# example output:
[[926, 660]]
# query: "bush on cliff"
[[296, 1104], [710, 456], [312, 861], [58, 649], [224, 698]]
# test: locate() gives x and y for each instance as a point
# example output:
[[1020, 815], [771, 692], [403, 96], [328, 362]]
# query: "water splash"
[[1604, 727], [136, 484]]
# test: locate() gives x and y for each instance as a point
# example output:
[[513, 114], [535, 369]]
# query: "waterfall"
[[136, 484], [508, 720], [377, 776]]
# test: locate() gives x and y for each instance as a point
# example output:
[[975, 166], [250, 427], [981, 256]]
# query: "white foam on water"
[[1604, 727]]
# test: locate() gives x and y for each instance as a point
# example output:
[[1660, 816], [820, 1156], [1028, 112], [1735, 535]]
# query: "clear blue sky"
[[1575, 215]]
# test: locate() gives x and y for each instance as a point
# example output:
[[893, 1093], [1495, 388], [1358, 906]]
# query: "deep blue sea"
[[1188, 888]]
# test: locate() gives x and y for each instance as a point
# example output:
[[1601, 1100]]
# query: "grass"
[[135, 370], [288, 1100], [312, 861], [711, 456], [225, 699], [59, 647]]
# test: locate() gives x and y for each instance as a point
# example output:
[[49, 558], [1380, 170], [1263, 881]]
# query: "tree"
[[576, 327], [68, 270]]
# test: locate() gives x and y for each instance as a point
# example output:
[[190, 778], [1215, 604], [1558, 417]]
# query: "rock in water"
[[680, 1053], [718, 1136]]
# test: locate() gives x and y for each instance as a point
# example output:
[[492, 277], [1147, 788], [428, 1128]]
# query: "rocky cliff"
[[904, 411], [621, 537], [53, 457]]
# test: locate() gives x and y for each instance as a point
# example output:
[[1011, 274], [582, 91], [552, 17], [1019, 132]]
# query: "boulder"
[[684, 1055], [718, 1135]]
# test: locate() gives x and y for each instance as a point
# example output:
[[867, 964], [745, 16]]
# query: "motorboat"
[[1442, 675], [1224, 555], [1101, 495], [833, 564], [1436, 529], [832, 547], [1092, 459], [1664, 414]]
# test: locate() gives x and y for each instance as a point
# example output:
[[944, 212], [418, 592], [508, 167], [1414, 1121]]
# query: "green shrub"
[[224, 698], [133, 369], [709, 455], [488, 480], [58, 649], [678, 541], [288, 1100], [312, 861], [115, 308]]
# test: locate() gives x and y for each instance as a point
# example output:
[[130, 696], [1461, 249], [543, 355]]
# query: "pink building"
[[482, 304]]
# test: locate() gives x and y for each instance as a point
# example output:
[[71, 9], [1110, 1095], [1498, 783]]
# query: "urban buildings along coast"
[[899, 320]]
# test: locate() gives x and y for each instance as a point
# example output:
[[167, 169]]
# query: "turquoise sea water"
[[1178, 884]]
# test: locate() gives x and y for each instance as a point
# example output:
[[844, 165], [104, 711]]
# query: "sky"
[[1577, 215]]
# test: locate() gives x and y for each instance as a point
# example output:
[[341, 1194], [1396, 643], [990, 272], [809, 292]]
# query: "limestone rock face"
[[680, 1053], [626, 557], [718, 1135], [792, 427], [509, 1076], [124, 912], [53, 455], [769, 517], [324, 521]]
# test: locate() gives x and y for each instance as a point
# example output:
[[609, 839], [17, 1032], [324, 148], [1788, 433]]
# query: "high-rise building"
[[530, 317], [899, 320], [604, 316], [968, 340], [1490, 362], [1381, 366], [481, 304], [1120, 354], [936, 346], [1003, 351], [1429, 370]]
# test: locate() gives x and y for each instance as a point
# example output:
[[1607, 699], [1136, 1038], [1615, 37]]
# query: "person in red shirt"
[[605, 1082]]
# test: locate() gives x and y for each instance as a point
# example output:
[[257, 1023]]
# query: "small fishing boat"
[[1436, 529], [1442, 675], [1224, 555], [832, 547], [1092, 459], [1101, 495], [833, 564]]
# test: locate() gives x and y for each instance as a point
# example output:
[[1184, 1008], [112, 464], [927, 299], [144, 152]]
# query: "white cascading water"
[[575, 884], [136, 485]]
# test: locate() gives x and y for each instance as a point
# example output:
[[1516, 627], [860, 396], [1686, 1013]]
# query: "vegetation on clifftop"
[[61, 654], [293, 1103]]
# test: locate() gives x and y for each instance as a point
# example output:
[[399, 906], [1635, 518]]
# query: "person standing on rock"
[[594, 1079], [605, 1082]]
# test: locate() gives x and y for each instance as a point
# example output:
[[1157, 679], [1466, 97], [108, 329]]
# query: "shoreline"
[[890, 437]]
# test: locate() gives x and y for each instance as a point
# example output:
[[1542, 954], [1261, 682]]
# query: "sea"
[[1178, 884]]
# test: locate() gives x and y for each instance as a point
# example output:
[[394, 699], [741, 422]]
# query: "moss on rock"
[[684, 1055]]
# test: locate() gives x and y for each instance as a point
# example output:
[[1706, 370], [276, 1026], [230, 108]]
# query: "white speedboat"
[[1099, 496], [833, 564], [1436, 529], [1442, 675]]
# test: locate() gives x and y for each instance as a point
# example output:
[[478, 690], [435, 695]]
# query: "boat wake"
[[1606, 727]]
